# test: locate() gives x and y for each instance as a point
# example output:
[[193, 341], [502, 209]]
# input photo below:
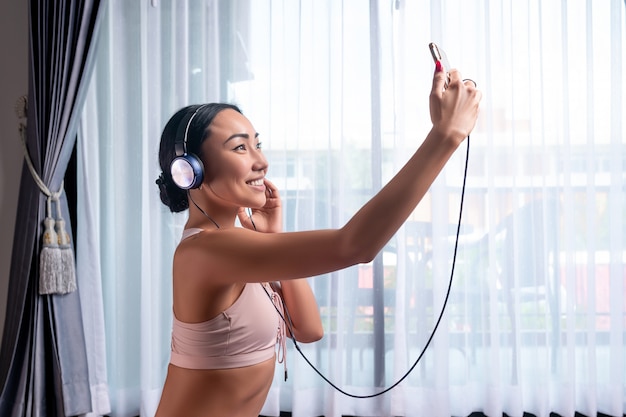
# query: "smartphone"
[[439, 55]]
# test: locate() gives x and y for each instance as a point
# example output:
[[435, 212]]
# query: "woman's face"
[[234, 164]]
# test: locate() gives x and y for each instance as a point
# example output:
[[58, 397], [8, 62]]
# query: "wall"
[[13, 84]]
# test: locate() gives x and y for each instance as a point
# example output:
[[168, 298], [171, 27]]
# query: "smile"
[[256, 182]]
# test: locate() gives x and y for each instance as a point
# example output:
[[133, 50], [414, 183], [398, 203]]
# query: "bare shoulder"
[[199, 291], [202, 255]]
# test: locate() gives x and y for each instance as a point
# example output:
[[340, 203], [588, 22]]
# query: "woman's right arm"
[[453, 113], [243, 255]]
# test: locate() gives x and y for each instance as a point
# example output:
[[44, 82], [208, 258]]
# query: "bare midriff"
[[236, 392]]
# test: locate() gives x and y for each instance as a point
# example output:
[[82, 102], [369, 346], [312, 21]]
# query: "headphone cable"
[[289, 323]]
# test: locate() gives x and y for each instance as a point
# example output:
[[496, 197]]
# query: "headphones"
[[186, 169]]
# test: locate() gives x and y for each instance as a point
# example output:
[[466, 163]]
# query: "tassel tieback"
[[56, 261], [57, 274]]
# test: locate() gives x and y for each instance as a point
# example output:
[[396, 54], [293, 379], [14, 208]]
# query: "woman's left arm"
[[297, 294], [303, 310]]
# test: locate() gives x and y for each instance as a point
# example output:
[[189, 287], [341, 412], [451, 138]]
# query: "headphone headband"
[[180, 146]]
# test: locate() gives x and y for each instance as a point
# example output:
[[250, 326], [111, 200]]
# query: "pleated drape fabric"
[[43, 362]]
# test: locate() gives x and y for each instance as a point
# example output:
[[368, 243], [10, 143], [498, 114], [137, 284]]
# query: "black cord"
[[203, 212], [445, 302], [249, 213]]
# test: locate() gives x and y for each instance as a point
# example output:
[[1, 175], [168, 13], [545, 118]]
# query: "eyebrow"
[[241, 135]]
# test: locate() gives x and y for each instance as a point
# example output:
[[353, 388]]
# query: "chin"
[[254, 203], [258, 205]]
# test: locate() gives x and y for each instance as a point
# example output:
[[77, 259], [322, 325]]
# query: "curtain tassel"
[[50, 267], [67, 283], [57, 271]]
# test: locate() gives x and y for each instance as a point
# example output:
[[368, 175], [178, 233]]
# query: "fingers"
[[439, 80], [243, 217], [455, 77], [468, 81], [454, 109], [441, 76], [270, 189]]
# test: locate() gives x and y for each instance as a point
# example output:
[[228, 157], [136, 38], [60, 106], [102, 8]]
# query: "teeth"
[[256, 182]]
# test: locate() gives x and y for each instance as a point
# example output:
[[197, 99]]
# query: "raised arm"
[[243, 255], [453, 114]]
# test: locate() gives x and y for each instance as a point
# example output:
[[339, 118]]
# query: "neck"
[[203, 212]]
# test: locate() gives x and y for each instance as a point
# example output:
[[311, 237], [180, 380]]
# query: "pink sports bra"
[[244, 334]]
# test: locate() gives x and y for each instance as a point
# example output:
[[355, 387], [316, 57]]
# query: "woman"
[[226, 318]]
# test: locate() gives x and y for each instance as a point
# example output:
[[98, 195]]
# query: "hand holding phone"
[[439, 55]]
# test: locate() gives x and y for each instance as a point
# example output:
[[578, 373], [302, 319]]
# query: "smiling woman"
[[227, 317], [337, 90], [224, 328]]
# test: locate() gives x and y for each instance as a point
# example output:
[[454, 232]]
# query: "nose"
[[260, 162]]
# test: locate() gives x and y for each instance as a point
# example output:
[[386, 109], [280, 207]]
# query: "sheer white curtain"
[[535, 319]]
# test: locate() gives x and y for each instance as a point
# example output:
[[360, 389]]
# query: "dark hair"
[[173, 197]]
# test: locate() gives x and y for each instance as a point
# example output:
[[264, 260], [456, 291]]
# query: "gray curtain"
[[43, 363]]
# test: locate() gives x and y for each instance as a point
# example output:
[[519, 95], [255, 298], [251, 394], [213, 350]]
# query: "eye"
[[241, 147], [259, 145]]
